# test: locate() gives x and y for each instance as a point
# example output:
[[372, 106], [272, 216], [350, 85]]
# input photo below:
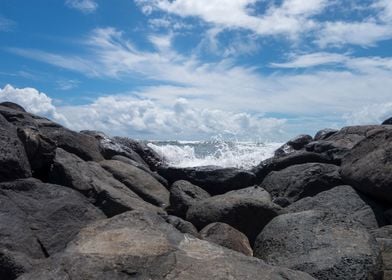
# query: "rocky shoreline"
[[86, 206]]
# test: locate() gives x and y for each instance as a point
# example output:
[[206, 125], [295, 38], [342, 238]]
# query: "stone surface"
[[182, 225], [302, 180], [323, 244], [248, 214], [140, 245], [227, 236], [324, 133], [89, 178], [294, 144], [384, 238], [340, 199], [13, 159], [212, 179], [139, 181], [183, 195], [387, 121], [13, 106], [368, 166]]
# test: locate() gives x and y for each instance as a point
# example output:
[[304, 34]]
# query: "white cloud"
[[85, 6], [6, 24], [67, 84], [310, 60], [372, 114]]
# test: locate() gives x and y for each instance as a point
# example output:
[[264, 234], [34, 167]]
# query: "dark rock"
[[13, 106], [227, 236], [324, 133], [39, 219], [279, 163], [152, 158], [281, 201], [246, 213], [367, 167], [183, 195], [140, 245], [89, 178], [387, 121], [302, 180], [182, 225], [384, 239], [294, 144], [14, 264], [143, 167], [388, 216], [341, 199], [212, 179], [140, 182], [13, 160], [325, 245]]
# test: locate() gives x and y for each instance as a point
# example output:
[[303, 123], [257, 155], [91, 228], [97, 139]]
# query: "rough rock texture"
[[227, 236], [279, 163], [322, 244], [14, 264], [384, 238], [248, 214], [38, 219], [212, 179], [137, 245], [302, 180], [294, 144], [182, 225], [341, 199], [13, 160], [183, 195], [324, 133], [368, 166], [139, 181], [13, 106], [89, 178]]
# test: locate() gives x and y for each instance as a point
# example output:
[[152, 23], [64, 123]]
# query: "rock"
[[13, 106], [324, 133], [325, 245], [368, 166], [243, 212], [13, 160], [388, 216], [39, 219], [212, 179], [227, 236], [14, 264], [281, 201], [89, 178], [279, 163], [294, 144], [302, 180], [140, 245], [40, 151], [183, 195], [387, 121], [146, 153], [340, 199], [182, 225], [140, 182], [384, 238], [143, 167]]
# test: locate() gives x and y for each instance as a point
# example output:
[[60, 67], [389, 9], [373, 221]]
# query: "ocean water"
[[214, 152]]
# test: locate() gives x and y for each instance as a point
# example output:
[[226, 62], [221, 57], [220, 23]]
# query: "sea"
[[217, 152]]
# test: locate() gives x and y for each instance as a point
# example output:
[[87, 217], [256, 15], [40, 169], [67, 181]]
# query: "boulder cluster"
[[82, 205]]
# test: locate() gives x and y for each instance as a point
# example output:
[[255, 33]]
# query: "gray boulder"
[[141, 245], [294, 144], [324, 133], [302, 180], [325, 245], [182, 225], [139, 181], [89, 178], [340, 199], [384, 239], [248, 214], [227, 236]]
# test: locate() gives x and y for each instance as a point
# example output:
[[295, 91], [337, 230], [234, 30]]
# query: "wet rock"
[[294, 144], [325, 245], [227, 236], [302, 180]]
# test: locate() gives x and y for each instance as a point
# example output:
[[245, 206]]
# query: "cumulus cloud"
[[84, 6], [372, 114]]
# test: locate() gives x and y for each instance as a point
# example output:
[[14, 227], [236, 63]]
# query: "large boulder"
[[341, 199], [212, 179], [139, 181], [13, 106], [247, 213], [325, 245], [141, 245], [368, 166], [13, 159], [89, 178], [294, 144], [302, 180], [384, 239], [387, 121], [183, 195], [227, 236], [182, 225], [38, 220], [324, 133]]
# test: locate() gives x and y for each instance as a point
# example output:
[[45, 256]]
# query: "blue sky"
[[192, 69]]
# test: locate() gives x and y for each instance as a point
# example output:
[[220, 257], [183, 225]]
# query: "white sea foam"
[[219, 153]]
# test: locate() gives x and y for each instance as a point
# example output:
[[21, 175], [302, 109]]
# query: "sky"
[[194, 69]]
